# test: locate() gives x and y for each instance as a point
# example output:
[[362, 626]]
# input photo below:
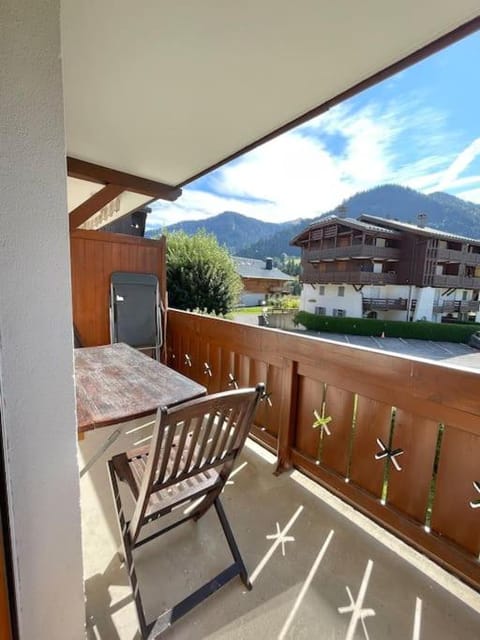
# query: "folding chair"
[[191, 454], [136, 311]]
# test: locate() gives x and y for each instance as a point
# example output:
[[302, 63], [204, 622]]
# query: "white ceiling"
[[164, 89], [79, 191]]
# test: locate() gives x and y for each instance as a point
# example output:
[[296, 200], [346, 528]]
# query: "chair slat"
[[193, 443], [205, 435], [165, 453], [220, 420], [234, 421], [180, 449]]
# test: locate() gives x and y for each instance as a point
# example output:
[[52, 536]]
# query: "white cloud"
[[310, 170], [460, 163], [472, 195]]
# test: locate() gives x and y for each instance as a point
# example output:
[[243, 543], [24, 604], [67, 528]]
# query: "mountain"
[[445, 212], [235, 231], [232, 230]]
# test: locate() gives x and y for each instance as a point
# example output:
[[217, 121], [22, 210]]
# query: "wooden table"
[[117, 383]]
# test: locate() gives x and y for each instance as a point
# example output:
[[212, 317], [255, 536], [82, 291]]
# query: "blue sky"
[[420, 128]]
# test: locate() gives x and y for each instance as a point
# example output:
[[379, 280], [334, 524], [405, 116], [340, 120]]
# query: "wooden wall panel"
[[458, 469], [311, 395], [95, 255], [227, 369], [214, 361], [269, 408], [336, 446], [408, 489], [372, 421]]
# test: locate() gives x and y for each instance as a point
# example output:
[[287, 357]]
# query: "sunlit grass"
[[252, 310]]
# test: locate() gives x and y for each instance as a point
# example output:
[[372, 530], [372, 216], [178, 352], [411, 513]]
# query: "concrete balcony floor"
[[330, 574]]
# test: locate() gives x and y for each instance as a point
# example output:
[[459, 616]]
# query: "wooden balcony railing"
[[312, 275], [352, 251], [385, 304], [456, 306], [466, 282], [450, 255], [396, 437]]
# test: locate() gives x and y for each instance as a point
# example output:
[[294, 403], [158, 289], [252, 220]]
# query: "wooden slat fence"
[[95, 255], [396, 437]]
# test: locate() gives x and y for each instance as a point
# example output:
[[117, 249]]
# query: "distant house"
[[260, 279], [380, 268]]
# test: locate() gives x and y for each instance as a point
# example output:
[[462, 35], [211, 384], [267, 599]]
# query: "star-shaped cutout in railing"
[[206, 369], [232, 381], [281, 538], [188, 360], [475, 504], [265, 397], [321, 422], [391, 454]]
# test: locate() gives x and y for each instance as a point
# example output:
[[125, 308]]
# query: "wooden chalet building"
[[376, 267], [260, 279]]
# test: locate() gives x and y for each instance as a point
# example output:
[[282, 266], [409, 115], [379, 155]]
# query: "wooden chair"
[[191, 454]]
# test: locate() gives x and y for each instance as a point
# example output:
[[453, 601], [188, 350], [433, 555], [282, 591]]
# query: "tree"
[[200, 273]]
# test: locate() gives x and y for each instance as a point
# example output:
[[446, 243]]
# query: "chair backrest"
[[135, 310], [193, 438]]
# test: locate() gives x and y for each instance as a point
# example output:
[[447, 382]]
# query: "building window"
[[464, 295], [321, 291], [341, 291], [320, 311], [339, 313]]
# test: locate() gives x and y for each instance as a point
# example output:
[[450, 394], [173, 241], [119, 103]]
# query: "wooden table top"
[[116, 383]]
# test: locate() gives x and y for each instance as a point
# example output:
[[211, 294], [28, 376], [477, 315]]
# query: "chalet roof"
[[353, 223], [251, 268], [415, 228]]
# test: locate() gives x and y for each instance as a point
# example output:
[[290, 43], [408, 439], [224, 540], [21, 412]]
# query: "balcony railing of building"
[[312, 275], [465, 282], [450, 255], [385, 304], [396, 437], [456, 306], [353, 251]]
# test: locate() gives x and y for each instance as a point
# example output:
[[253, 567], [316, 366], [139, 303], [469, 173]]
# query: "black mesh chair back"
[[135, 311]]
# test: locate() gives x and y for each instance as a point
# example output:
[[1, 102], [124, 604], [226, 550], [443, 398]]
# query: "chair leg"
[[127, 552], [227, 530], [152, 630]]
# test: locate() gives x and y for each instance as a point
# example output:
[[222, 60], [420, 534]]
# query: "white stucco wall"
[[425, 297], [36, 367], [351, 301], [251, 299]]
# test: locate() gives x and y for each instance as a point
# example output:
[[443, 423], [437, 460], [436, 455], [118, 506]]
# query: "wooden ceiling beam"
[[91, 206], [96, 173]]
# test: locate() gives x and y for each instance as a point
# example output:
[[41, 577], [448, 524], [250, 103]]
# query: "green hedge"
[[391, 328]]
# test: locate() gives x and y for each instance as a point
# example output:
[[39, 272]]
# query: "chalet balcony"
[[457, 306], [360, 468], [312, 275], [464, 282], [356, 251], [366, 449], [384, 304], [449, 255]]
